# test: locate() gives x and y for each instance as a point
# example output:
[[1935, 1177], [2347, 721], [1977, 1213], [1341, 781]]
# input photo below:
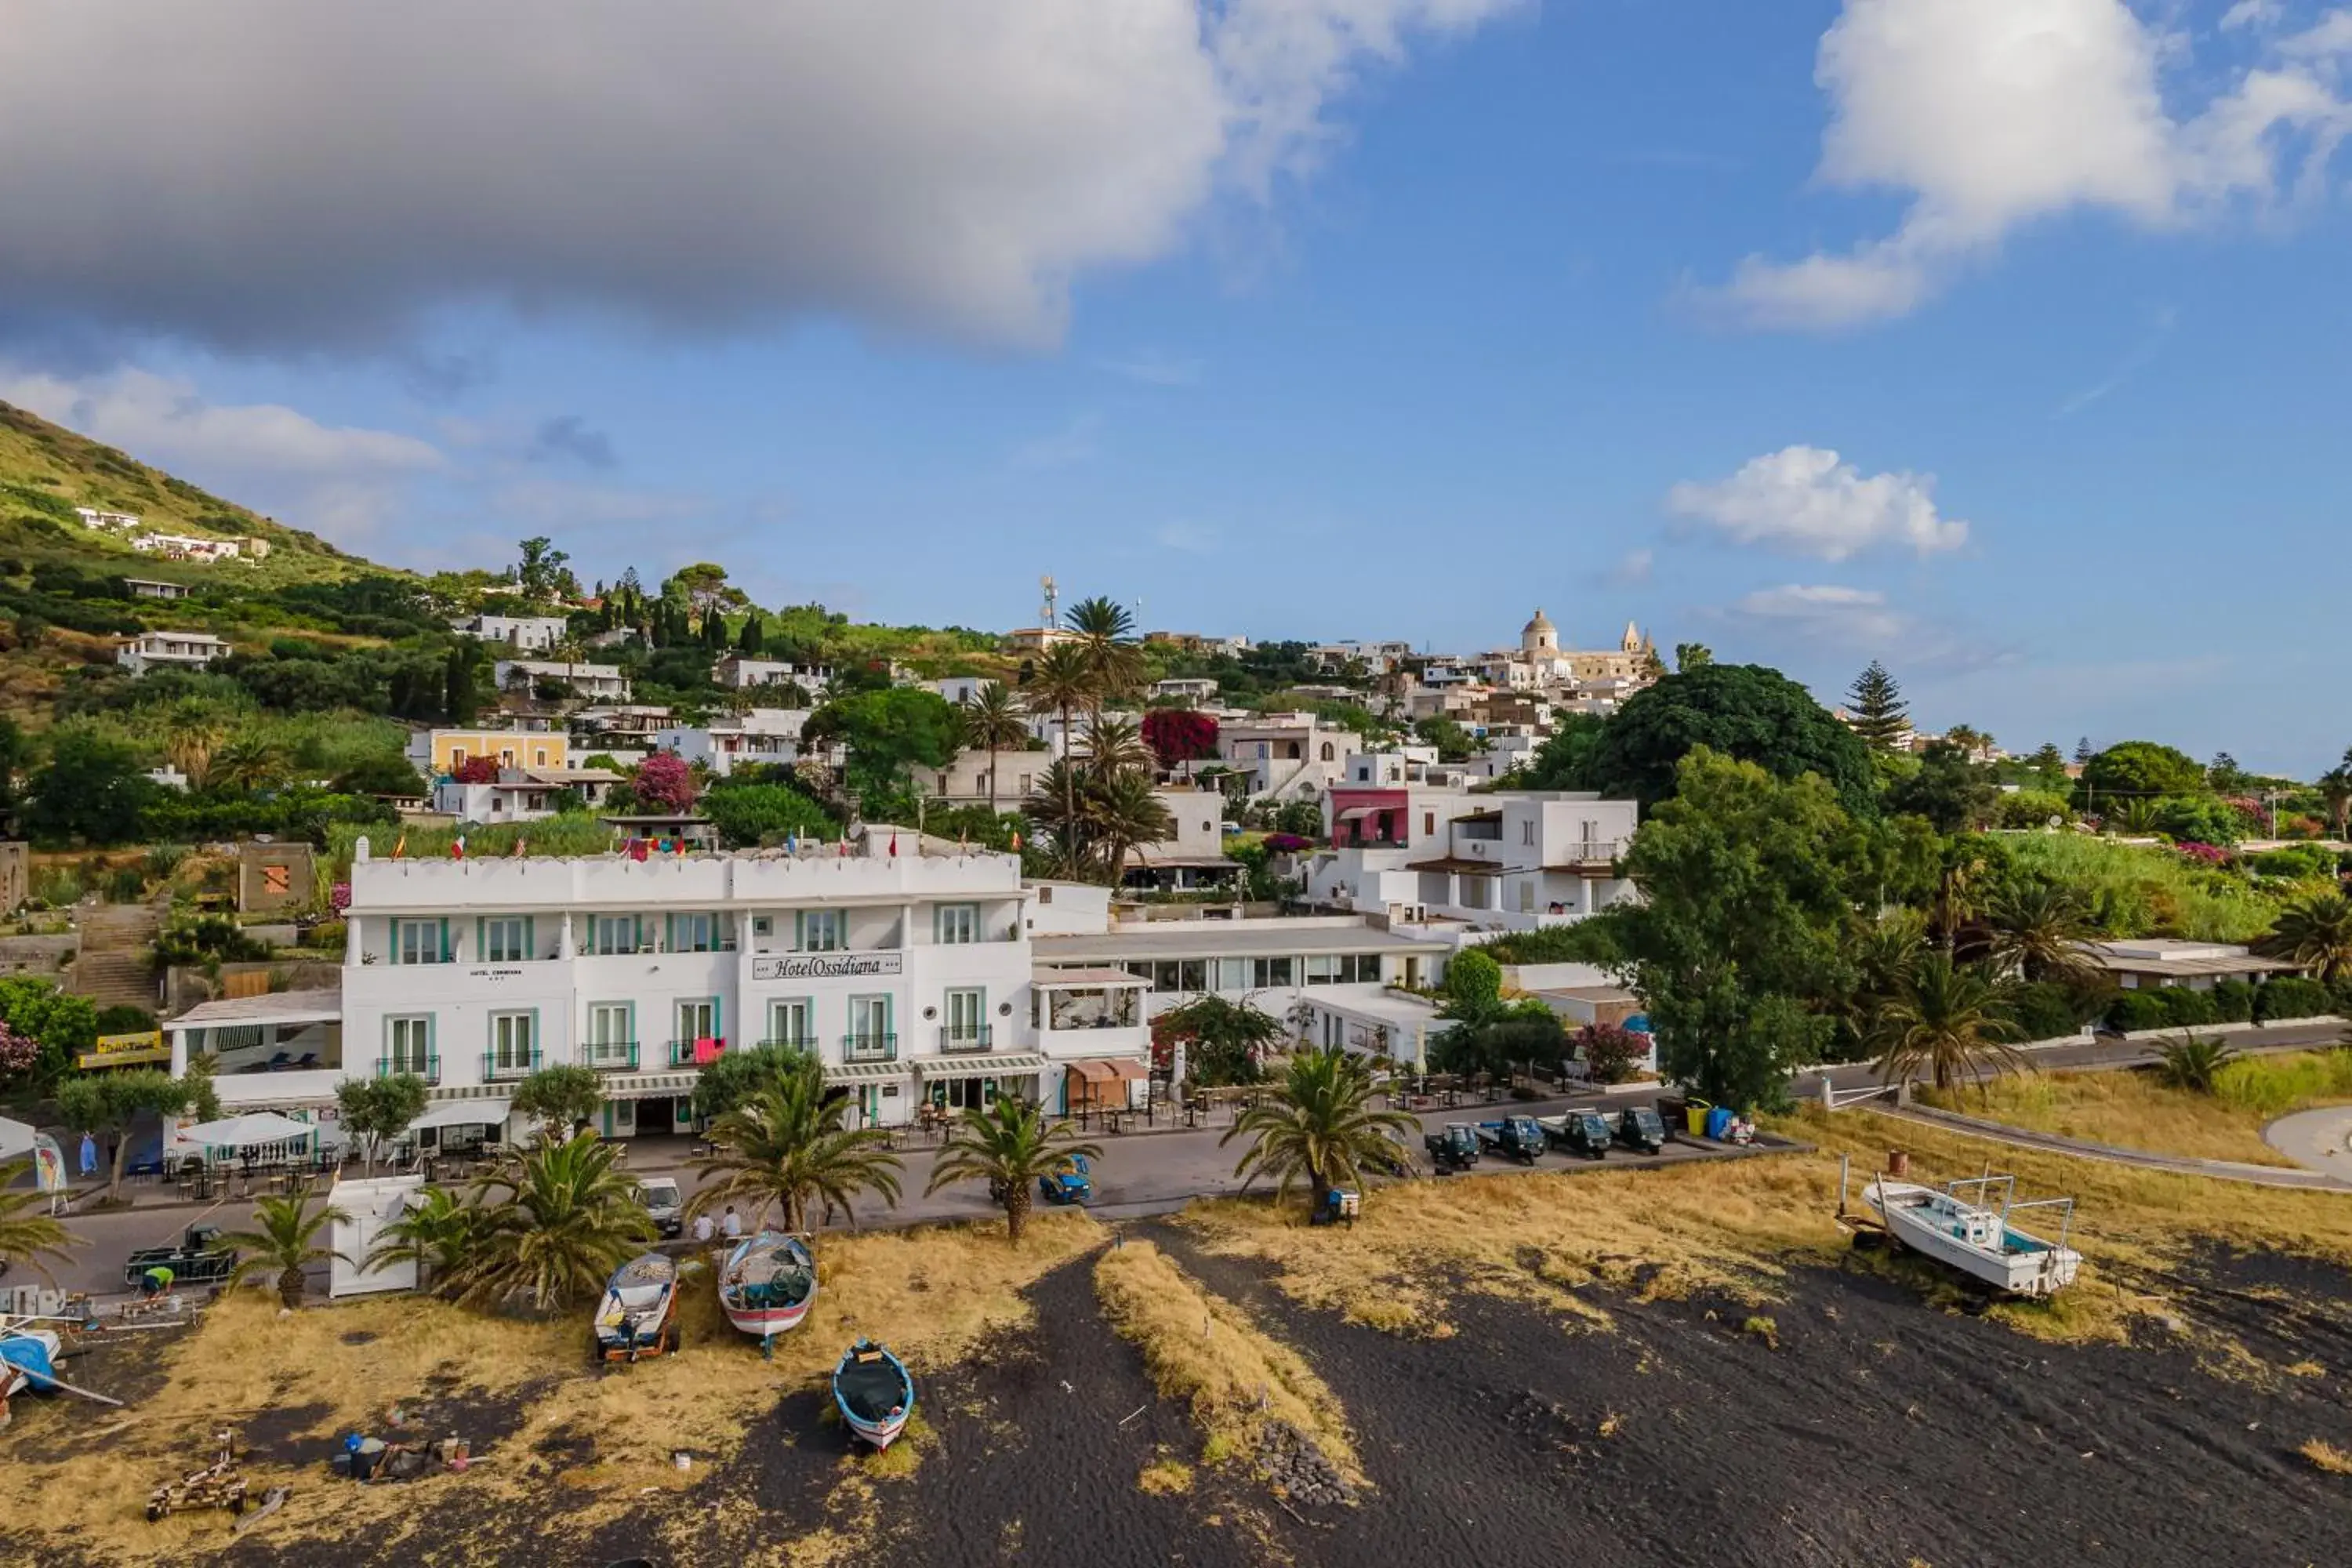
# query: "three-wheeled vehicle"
[[1519, 1137], [1581, 1132], [1640, 1130], [1071, 1182], [199, 1259], [1454, 1147]]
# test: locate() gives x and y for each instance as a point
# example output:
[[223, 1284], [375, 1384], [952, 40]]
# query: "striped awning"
[[864, 1072], [979, 1064], [648, 1085]]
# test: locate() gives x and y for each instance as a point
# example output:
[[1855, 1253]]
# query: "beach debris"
[[217, 1485], [1133, 1414], [272, 1501], [368, 1458]]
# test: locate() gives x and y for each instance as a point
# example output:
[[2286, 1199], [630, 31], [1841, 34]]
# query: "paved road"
[[1138, 1173], [2320, 1139]]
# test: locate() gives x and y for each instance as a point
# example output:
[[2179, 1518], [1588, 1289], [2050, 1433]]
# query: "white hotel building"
[[910, 974]]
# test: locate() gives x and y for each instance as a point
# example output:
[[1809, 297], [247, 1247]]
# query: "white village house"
[[169, 651], [527, 634]]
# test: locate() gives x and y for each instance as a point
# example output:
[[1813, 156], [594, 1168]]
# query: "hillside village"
[[1303, 836]]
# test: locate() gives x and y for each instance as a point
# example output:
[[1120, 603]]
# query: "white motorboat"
[[1970, 1224]]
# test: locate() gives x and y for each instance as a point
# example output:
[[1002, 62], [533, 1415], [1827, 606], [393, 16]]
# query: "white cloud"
[[1825, 613], [2250, 13], [162, 419], [1632, 569], [279, 175], [1991, 114], [1806, 500]]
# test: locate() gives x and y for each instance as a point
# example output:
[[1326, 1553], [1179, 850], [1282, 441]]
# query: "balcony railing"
[[681, 1053], [956, 1038], [1591, 852], [790, 1043], [497, 1068], [869, 1048], [610, 1055], [426, 1066]]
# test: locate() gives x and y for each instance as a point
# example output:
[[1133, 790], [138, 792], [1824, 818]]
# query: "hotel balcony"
[[512, 1066], [695, 1053], [956, 1041], [869, 1048], [427, 1067], [610, 1055]]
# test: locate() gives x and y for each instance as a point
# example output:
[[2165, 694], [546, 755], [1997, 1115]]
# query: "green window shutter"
[[446, 955], [481, 939], [530, 946]]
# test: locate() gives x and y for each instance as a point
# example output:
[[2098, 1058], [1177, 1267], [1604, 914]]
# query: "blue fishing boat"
[[638, 1315], [874, 1392]]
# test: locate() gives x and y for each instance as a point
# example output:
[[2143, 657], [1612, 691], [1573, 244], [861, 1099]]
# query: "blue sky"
[[2005, 341]]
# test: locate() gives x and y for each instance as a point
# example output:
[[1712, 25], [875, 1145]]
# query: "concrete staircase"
[[116, 965]]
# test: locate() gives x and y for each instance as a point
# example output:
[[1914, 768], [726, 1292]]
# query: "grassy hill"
[[46, 470]]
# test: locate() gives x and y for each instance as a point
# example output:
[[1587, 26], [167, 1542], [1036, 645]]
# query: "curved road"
[[2319, 1139]]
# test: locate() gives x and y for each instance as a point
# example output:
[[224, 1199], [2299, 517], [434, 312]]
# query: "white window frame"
[[599, 1044], [408, 1043], [955, 925], [514, 1039], [783, 1011], [820, 930]]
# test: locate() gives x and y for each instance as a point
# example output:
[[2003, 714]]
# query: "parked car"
[[660, 1195]]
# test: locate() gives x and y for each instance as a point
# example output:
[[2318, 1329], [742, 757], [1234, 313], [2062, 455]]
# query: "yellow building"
[[508, 748]]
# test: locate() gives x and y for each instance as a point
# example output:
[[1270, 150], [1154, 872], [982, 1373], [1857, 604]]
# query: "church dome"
[[1542, 623], [1540, 635]]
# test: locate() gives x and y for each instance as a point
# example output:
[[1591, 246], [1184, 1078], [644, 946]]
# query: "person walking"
[[89, 1156]]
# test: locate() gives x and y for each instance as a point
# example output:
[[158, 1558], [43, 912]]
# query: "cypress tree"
[[1875, 708]]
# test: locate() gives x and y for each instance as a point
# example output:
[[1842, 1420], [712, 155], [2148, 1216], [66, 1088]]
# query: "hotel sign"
[[125, 1050], [828, 965]]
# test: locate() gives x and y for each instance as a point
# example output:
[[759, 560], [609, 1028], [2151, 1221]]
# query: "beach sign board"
[[141, 1050]]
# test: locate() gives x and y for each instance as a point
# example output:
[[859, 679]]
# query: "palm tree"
[[2335, 790], [2315, 931], [284, 1240], [1107, 641], [1883, 953], [27, 1236], [1946, 1020], [1318, 1125], [2039, 930], [993, 720], [786, 1146], [1116, 746], [192, 734], [2135, 818], [247, 760], [1054, 808], [1009, 1145], [2193, 1062], [564, 1218], [1062, 682], [1121, 812], [438, 1234]]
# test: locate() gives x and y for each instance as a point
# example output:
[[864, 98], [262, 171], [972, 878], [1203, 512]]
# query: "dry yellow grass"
[[2328, 1457], [1166, 1478], [1731, 1227], [1203, 1350], [930, 1293], [2133, 1110]]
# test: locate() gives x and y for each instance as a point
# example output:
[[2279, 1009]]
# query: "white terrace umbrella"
[[249, 1132]]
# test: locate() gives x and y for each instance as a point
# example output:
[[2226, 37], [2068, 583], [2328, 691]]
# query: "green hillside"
[[46, 472]]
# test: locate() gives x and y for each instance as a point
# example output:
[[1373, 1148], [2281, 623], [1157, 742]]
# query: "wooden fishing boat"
[[875, 1392], [638, 1314], [1969, 1224], [766, 1283]]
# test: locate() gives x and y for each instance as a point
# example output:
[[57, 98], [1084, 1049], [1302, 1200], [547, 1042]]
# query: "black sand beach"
[[1859, 1427]]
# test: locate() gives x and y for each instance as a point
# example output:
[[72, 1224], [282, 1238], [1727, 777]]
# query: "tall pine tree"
[[1875, 708]]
